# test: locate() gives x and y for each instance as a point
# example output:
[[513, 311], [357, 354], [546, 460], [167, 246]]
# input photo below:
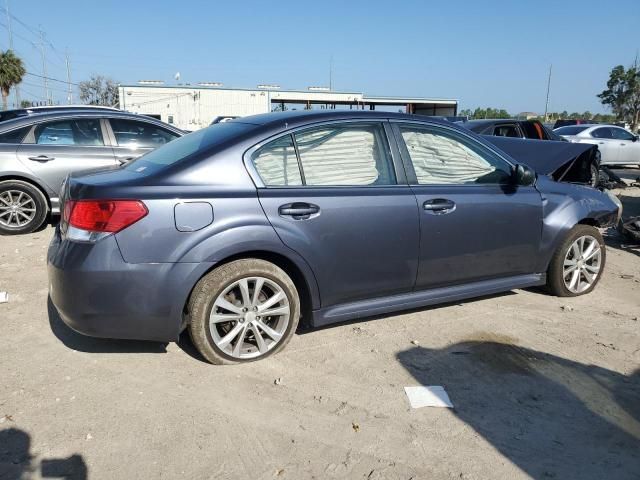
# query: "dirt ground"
[[543, 387]]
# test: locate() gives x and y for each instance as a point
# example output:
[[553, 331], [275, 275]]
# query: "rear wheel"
[[243, 311], [23, 207], [577, 265]]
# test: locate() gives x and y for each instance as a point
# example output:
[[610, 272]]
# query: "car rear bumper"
[[98, 294]]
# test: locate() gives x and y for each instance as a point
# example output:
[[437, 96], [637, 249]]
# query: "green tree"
[[99, 90], [11, 73], [623, 94], [26, 103]]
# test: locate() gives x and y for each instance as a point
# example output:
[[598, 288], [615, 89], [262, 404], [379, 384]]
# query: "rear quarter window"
[[14, 136], [570, 130]]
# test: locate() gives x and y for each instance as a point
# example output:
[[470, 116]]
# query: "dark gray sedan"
[[238, 230], [38, 151]]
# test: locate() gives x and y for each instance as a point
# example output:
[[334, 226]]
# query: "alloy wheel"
[[17, 208], [582, 264], [249, 317]]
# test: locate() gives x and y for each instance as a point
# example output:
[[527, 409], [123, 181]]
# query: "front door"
[[629, 147], [474, 223], [332, 195], [58, 147]]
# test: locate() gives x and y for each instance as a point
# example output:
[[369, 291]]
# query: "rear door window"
[[603, 132], [81, 132], [137, 134], [506, 131], [345, 154]]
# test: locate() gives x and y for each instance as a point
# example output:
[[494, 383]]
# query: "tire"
[[33, 204], [222, 286], [556, 283], [595, 175]]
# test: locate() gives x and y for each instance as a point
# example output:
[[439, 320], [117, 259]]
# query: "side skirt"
[[405, 301]]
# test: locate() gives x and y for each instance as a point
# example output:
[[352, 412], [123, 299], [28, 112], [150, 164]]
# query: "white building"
[[191, 107]]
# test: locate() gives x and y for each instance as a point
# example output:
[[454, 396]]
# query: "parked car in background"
[[236, 230], [532, 129], [223, 119], [25, 112], [38, 151], [568, 121], [617, 146]]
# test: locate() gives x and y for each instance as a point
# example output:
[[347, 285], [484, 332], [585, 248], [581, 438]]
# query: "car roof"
[[77, 113], [301, 117]]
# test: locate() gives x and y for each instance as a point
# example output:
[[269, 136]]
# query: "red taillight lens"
[[103, 215]]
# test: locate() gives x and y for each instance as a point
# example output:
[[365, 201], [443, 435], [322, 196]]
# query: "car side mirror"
[[524, 175]]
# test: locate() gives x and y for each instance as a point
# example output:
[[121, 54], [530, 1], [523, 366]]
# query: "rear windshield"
[[570, 130], [186, 146]]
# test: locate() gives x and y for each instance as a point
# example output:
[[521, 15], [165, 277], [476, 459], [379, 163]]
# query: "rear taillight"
[[104, 216]]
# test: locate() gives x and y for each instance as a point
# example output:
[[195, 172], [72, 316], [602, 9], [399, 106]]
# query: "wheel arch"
[[300, 274], [7, 176]]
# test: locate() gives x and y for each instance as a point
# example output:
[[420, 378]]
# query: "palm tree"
[[11, 72]]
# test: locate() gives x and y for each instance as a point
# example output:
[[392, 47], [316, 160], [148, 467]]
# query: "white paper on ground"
[[4, 297], [434, 396]]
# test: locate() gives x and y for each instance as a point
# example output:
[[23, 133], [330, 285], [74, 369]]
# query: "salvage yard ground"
[[543, 387]]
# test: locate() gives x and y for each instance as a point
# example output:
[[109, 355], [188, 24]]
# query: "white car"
[[617, 146]]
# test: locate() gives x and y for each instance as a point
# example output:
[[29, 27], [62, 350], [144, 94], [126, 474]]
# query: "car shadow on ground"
[[16, 461], [82, 343], [550, 416]]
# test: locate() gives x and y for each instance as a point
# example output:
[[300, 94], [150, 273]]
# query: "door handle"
[[42, 158], [53, 138], [123, 160], [600, 143], [298, 210], [623, 144], [439, 206]]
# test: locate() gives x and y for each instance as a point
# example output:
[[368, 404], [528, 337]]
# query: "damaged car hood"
[[564, 161]]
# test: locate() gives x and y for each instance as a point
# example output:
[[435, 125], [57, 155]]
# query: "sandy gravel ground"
[[543, 387]]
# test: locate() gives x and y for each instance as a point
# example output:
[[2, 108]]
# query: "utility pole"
[[17, 88], [44, 67], [546, 104], [331, 73], [69, 94]]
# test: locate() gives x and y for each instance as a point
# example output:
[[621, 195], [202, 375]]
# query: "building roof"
[[311, 93]]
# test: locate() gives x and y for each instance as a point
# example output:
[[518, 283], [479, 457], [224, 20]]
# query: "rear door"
[[475, 225], [609, 147], [335, 196], [133, 138], [55, 148]]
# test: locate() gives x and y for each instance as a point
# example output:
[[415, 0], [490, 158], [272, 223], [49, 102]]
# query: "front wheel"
[[243, 311], [578, 263]]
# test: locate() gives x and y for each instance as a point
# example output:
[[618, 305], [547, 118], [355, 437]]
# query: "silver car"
[[617, 146], [37, 152]]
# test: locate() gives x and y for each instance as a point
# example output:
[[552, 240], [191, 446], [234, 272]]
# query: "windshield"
[[570, 130], [186, 146]]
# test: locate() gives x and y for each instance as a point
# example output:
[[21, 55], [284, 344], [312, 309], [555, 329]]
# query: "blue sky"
[[484, 53]]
